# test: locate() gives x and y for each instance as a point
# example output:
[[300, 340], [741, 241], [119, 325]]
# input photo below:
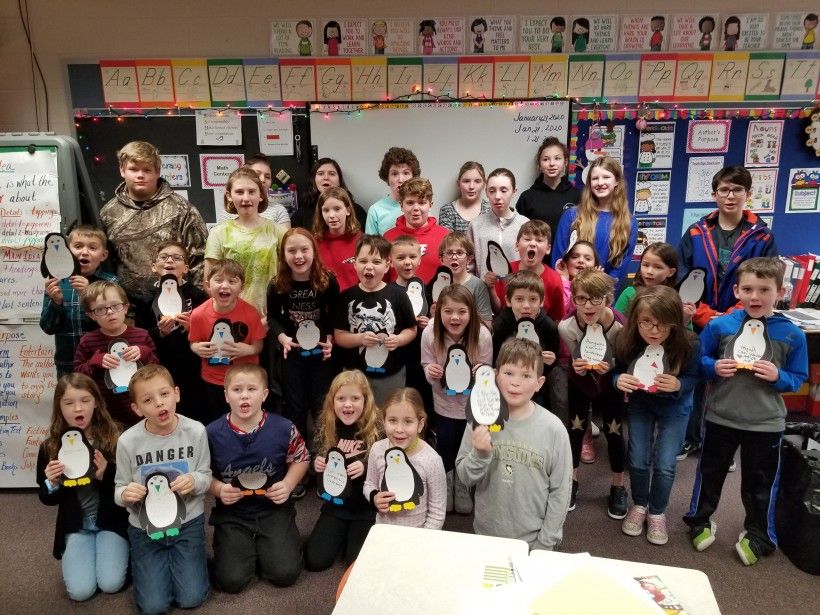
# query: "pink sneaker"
[[656, 529], [633, 522], [588, 454]]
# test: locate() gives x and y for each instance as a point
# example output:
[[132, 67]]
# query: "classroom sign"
[[29, 210], [650, 77]]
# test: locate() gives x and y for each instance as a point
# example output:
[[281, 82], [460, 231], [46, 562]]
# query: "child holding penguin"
[[405, 480], [257, 459], [168, 452], [91, 535], [527, 466]]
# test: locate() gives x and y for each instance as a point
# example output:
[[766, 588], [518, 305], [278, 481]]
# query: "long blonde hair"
[[367, 427], [588, 212]]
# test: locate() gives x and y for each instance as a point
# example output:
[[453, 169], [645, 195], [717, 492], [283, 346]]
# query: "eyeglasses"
[[580, 301], [114, 309], [735, 191], [455, 253], [648, 325], [177, 258]]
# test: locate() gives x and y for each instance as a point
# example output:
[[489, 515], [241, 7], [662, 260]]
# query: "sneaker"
[[633, 523], [572, 495], [687, 449], [462, 497], [594, 429], [617, 502], [746, 550], [702, 538], [656, 529], [588, 454], [733, 466], [449, 507], [298, 492]]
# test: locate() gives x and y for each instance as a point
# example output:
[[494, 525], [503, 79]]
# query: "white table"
[[414, 571], [407, 570]]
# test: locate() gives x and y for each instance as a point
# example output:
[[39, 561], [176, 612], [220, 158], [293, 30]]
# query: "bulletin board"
[[690, 172], [101, 136]]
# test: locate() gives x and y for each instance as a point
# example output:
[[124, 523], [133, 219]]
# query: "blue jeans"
[[94, 558], [671, 430], [169, 570]]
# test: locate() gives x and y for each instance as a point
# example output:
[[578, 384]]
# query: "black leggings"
[[611, 406], [332, 536]]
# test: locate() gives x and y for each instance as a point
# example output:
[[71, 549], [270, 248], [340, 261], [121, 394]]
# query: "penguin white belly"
[[59, 264], [334, 480], [76, 461], [457, 376], [417, 301], [252, 480], [438, 286], [161, 508], [121, 375], [485, 405], [376, 356], [170, 304], [400, 481]]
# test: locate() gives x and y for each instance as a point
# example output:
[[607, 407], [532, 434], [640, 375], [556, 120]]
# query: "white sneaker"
[[733, 466], [594, 429]]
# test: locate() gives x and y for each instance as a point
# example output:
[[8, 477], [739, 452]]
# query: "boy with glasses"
[[170, 331], [62, 315], [115, 342]]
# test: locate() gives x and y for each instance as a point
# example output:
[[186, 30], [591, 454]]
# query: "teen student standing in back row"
[[602, 218], [551, 192]]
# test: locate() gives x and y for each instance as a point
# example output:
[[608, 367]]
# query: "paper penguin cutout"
[[221, 333], [308, 337], [595, 347], [168, 302], [77, 455], [162, 511], [692, 288], [402, 479], [334, 484], [117, 378], [376, 356], [573, 238], [645, 367], [497, 261], [418, 296], [458, 371], [526, 330], [440, 281], [252, 483], [486, 406], [751, 343], [58, 261]]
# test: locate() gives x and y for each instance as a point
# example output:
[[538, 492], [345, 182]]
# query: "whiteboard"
[[442, 136], [28, 382]]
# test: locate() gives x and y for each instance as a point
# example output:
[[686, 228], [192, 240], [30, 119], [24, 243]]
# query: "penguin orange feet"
[[84, 481], [409, 506], [69, 483], [495, 427], [259, 492], [395, 508]]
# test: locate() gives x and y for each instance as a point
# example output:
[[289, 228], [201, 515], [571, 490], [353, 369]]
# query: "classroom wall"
[[91, 30]]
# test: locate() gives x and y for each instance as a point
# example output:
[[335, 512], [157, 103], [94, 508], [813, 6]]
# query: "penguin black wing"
[[180, 516], [418, 484]]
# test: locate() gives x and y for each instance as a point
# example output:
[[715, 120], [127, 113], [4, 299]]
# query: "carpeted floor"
[[31, 581]]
